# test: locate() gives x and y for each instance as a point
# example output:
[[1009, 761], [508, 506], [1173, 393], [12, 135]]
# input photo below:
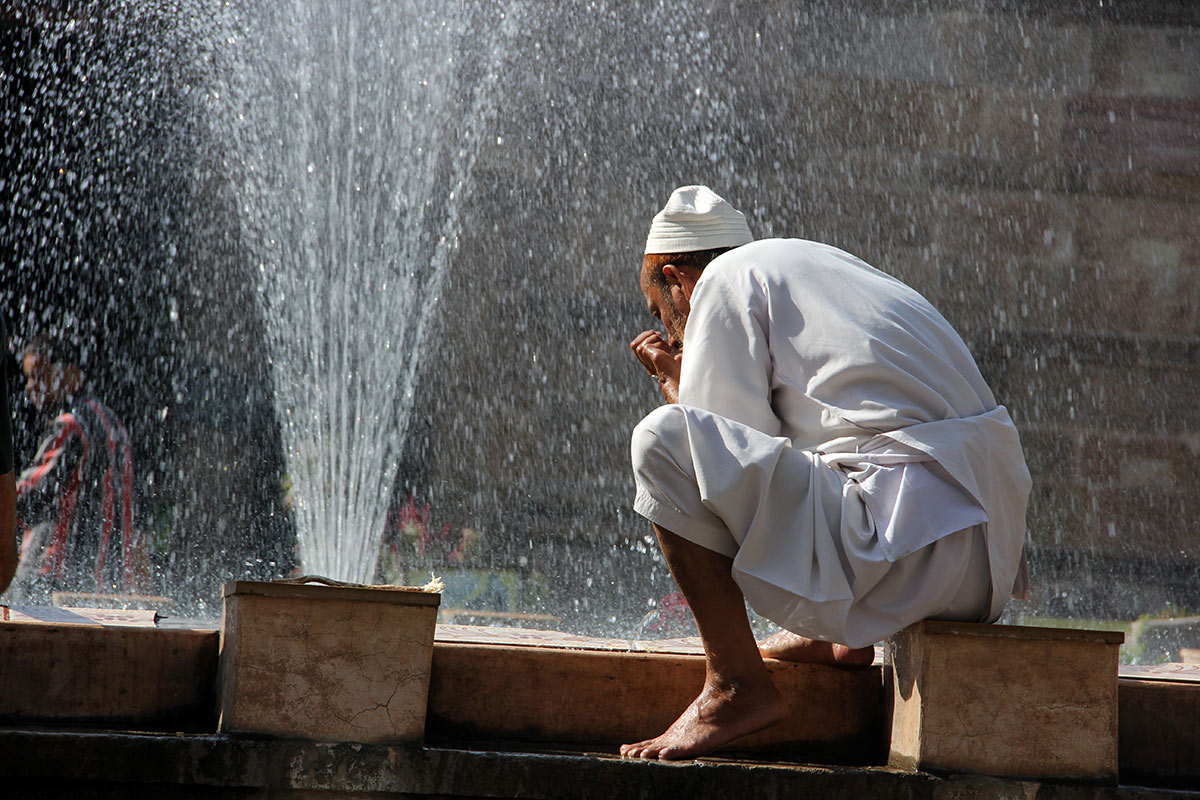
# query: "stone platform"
[[36, 765], [604, 697], [523, 688]]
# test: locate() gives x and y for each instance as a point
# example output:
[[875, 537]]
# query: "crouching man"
[[829, 452]]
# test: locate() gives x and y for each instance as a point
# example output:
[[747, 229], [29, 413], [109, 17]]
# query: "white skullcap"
[[695, 218]]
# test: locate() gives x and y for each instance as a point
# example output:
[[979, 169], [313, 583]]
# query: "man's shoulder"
[[92, 413], [90, 404], [748, 275], [768, 261], [765, 255]]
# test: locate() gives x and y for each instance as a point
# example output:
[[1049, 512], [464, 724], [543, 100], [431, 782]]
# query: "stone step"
[[144, 678], [35, 765], [549, 694], [1005, 700]]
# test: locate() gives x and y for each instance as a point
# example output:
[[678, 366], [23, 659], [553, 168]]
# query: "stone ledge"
[[541, 694], [148, 678], [1159, 732], [1159, 720], [69, 764]]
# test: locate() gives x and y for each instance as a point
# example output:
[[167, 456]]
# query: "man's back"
[[800, 339]]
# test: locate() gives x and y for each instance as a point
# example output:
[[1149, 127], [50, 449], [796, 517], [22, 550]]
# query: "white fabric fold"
[[835, 437], [804, 548]]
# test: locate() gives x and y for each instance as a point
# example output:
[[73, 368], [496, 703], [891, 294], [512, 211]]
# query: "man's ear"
[[672, 275], [683, 278]]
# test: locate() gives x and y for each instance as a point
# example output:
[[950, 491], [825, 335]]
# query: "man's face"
[[44, 380], [668, 304]]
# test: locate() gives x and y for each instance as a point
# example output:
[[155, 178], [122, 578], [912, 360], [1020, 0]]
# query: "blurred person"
[[8, 483], [75, 501]]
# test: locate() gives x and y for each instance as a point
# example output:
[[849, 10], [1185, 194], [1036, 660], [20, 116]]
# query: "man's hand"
[[661, 362]]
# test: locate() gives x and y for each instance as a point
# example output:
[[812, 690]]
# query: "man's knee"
[[655, 438]]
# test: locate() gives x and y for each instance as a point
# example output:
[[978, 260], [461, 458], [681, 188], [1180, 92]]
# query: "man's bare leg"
[[738, 697], [789, 646]]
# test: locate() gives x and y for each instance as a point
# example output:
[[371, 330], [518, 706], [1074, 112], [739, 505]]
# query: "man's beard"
[[675, 320]]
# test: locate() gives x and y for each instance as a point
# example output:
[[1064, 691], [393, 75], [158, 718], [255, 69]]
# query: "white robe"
[[836, 439]]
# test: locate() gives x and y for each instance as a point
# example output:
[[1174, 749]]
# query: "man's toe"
[[635, 750]]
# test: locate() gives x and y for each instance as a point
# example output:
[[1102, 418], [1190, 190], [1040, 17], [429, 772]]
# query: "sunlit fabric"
[[834, 437], [696, 218]]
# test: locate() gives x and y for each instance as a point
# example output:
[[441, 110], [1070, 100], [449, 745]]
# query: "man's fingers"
[[647, 347], [643, 338]]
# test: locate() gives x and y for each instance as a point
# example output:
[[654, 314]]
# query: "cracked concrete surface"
[[326, 667]]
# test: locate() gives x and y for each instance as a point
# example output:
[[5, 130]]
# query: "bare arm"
[[8, 524]]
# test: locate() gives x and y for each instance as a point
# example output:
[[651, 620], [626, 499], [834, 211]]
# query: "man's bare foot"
[[788, 646], [718, 716]]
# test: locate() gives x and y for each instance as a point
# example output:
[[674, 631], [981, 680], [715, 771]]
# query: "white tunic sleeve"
[[727, 363]]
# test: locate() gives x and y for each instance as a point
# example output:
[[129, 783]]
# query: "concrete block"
[[1119, 181], [325, 663], [1160, 732], [1015, 126], [1138, 461], [991, 227], [545, 694], [1156, 235], [1155, 61], [1005, 700], [144, 678], [1152, 523], [1137, 268]]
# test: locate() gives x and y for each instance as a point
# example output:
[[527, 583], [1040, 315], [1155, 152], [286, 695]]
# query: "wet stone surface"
[[62, 764]]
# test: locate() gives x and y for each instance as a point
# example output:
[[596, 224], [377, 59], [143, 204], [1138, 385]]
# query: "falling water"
[[358, 131]]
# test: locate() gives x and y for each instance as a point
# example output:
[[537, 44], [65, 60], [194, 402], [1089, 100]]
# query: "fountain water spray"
[[358, 133]]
